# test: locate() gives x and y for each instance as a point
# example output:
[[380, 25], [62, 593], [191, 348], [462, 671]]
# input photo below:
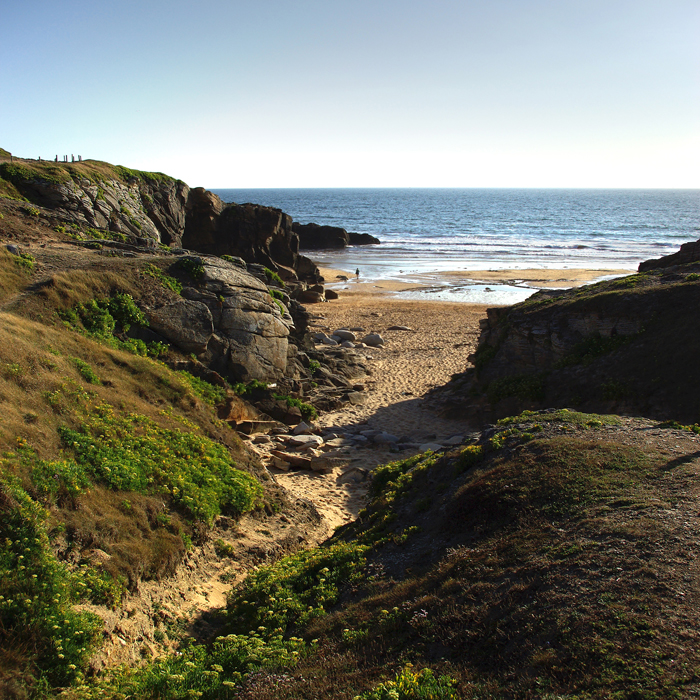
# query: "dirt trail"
[[411, 363]]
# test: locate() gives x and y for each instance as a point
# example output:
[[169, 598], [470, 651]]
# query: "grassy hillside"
[[556, 556], [553, 558], [112, 466], [22, 171]]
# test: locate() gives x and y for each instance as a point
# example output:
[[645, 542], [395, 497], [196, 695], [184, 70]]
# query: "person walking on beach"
[[357, 273]]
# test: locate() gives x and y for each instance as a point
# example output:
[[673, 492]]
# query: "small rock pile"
[[347, 338], [324, 449]]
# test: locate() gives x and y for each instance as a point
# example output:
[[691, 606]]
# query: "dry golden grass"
[[67, 289], [13, 277], [36, 360]]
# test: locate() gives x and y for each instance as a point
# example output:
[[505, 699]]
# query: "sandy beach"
[[536, 278], [442, 336]]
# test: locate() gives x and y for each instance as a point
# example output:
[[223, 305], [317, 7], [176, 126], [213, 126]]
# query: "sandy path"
[[412, 362]]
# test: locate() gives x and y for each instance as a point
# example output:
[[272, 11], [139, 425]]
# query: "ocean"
[[432, 230]]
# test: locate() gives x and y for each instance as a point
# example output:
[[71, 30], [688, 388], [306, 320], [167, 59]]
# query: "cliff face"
[[153, 209], [623, 346], [148, 206]]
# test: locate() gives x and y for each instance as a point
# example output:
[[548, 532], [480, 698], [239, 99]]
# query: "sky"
[[361, 93]]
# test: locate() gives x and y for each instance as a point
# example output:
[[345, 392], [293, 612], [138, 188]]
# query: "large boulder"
[[315, 237], [258, 234], [230, 321], [185, 323], [362, 239]]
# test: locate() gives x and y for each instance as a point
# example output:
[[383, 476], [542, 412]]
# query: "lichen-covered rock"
[[185, 323], [148, 208], [249, 338]]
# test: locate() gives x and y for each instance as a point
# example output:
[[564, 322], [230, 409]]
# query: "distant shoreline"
[[452, 282]]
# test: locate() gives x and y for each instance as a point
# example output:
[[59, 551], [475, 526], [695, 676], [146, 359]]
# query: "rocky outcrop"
[[315, 237], [689, 253], [229, 320], [257, 234], [622, 346], [362, 239], [146, 206], [152, 209]]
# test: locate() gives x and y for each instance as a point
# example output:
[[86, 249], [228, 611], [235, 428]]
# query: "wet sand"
[[535, 278]]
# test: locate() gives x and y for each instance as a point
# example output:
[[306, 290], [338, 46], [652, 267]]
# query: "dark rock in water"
[[689, 252], [314, 237], [362, 239]]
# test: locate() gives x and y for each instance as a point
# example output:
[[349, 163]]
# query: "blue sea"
[[433, 230]]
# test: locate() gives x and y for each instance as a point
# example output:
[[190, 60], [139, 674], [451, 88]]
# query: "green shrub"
[[412, 685], [166, 280], [133, 453], [294, 590], [679, 426], [37, 594], [272, 276], [469, 456], [231, 259], [308, 411], [155, 349], [246, 389], [125, 312], [99, 318], [86, 372], [206, 391], [194, 267], [24, 260], [389, 473], [198, 671]]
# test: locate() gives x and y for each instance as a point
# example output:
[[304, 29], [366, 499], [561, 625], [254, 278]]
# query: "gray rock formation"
[[147, 208], [230, 321]]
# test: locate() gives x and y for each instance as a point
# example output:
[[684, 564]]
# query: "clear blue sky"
[[324, 93]]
